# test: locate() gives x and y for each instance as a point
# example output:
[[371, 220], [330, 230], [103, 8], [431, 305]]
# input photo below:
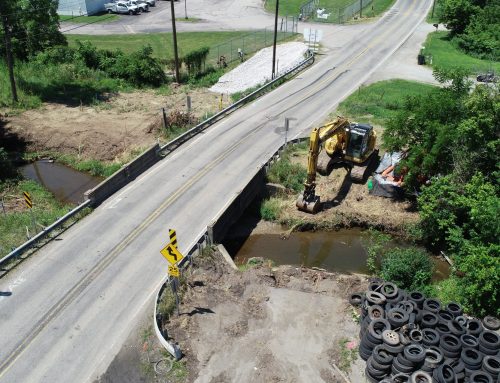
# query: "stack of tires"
[[406, 337]]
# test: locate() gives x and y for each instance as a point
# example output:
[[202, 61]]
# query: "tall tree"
[[34, 26]]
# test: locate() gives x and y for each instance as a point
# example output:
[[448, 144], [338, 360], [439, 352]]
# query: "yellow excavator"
[[346, 143]]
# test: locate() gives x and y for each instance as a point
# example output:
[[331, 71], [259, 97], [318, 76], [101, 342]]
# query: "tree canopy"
[[34, 26], [474, 24]]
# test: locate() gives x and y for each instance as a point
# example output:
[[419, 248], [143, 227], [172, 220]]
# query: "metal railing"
[[175, 143], [195, 249], [314, 10], [26, 245], [165, 149], [252, 42]]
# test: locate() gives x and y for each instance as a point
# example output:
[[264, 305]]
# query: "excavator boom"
[[351, 144]]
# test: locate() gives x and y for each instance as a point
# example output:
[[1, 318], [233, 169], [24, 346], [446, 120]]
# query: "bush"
[[451, 212], [138, 68], [194, 60], [409, 268], [270, 209], [292, 176], [478, 279]]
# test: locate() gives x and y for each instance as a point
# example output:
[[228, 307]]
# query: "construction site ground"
[[348, 204], [264, 324], [113, 127]]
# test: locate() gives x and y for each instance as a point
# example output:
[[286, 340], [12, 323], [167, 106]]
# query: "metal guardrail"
[[175, 143], [196, 248], [26, 245], [169, 147]]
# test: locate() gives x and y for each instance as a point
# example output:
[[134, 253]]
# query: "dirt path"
[[265, 324], [108, 130]]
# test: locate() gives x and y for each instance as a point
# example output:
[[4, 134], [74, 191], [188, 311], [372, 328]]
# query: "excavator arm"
[[309, 201]]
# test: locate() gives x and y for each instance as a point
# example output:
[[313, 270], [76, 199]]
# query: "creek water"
[[343, 250], [66, 184]]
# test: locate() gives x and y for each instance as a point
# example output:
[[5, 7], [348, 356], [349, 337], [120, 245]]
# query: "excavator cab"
[[358, 143]]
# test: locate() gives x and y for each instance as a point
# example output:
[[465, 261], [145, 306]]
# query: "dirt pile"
[[265, 324]]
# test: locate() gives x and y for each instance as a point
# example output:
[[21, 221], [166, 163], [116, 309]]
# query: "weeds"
[[270, 209], [286, 173], [167, 303], [377, 243], [348, 354], [15, 224]]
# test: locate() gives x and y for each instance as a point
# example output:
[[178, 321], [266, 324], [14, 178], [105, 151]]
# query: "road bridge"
[[74, 302]]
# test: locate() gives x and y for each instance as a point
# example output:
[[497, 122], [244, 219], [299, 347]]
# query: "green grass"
[[447, 55], [161, 43], [94, 167], [13, 225], [292, 7], [286, 173], [380, 101], [104, 18], [188, 20], [55, 83], [270, 209]]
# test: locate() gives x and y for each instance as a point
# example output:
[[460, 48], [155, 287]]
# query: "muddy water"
[[342, 251], [67, 184]]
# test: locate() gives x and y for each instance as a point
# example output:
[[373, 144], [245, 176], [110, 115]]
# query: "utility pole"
[[275, 37], [433, 4], [185, 10], [10, 63], [174, 32]]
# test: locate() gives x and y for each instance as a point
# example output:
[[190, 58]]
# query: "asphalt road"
[[75, 301]]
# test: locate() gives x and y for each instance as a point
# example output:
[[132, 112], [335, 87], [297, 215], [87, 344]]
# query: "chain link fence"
[[314, 11], [233, 49]]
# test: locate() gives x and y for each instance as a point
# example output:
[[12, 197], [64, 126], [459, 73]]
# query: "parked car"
[[121, 7], [487, 77], [151, 3], [141, 5]]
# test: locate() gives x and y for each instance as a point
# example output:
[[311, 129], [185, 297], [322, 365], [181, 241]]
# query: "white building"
[[80, 7]]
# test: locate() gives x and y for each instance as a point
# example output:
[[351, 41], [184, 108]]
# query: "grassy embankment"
[[13, 224], [60, 83], [292, 7], [103, 18], [380, 101], [445, 53]]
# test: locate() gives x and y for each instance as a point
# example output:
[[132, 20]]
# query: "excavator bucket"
[[312, 206]]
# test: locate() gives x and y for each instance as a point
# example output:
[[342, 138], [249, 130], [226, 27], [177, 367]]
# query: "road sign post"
[[173, 256], [29, 203]]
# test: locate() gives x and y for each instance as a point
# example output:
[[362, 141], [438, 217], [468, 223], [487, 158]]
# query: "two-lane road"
[[75, 301]]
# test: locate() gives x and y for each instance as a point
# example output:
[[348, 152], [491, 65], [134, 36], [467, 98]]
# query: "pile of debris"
[[406, 337]]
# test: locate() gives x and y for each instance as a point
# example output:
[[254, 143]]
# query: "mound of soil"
[[265, 324]]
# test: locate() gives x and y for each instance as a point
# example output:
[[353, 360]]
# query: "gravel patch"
[[257, 70]]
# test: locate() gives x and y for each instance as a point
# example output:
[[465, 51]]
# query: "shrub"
[[194, 60], [452, 213], [409, 268], [290, 175], [478, 279], [270, 209]]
